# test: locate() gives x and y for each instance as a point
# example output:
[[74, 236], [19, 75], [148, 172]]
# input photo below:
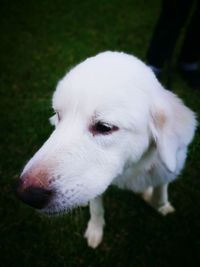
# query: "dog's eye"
[[102, 128]]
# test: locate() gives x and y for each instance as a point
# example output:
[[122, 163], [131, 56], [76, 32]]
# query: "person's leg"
[[173, 16], [191, 44], [189, 55]]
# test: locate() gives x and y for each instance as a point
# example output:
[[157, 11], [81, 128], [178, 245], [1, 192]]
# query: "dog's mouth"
[[53, 213], [57, 210], [54, 209]]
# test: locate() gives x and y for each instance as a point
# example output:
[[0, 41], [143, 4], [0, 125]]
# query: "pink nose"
[[32, 188]]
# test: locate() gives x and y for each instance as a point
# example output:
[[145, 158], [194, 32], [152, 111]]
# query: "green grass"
[[40, 41]]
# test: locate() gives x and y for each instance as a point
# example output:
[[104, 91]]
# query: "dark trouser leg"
[[191, 46], [189, 56], [173, 16]]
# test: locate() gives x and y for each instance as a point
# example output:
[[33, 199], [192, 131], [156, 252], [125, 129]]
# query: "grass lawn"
[[40, 41]]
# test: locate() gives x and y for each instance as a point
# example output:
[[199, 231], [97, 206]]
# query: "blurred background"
[[39, 42]]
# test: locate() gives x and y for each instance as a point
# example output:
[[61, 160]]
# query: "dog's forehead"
[[106, 82]]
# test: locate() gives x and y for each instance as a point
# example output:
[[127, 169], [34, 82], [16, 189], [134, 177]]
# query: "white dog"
[[114, 124]]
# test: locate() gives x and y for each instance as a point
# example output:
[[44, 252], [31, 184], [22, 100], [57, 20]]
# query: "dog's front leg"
[[159, 200], [94, 231]]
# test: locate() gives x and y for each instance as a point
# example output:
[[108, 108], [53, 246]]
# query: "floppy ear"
[[53, 120], [165, 138]]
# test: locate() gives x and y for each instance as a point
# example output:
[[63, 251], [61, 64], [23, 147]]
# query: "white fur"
[[148, 150]]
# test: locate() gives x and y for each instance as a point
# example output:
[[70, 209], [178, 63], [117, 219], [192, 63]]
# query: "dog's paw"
[[166, 209], [94, 233], [147, 195]]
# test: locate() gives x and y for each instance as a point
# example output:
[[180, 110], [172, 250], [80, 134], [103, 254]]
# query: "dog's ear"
[[53, 120], [165, 137], [172, 127]]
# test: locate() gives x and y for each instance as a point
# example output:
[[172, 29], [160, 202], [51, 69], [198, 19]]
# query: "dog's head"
[[102, 114]]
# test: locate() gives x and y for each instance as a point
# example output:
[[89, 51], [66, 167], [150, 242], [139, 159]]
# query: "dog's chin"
[[54, 211], [60, 210]]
